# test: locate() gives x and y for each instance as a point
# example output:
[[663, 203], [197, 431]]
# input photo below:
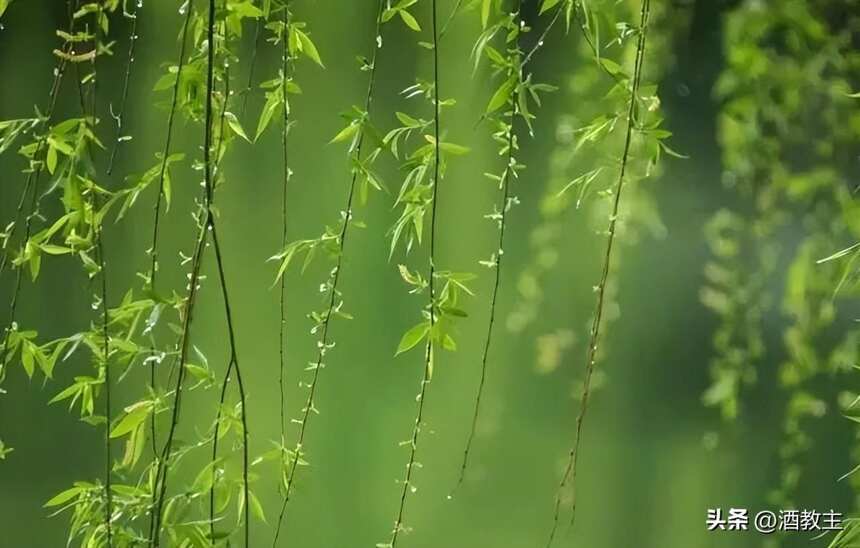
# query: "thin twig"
[[454, 11], [332, 292], [100, 260], [594, 339], [153, 247], [34, 173], [258, 32], [32, 183], [162, 471], [234, 360], [120, 116], [542, 38], [233, 366], [510, 171], [282, 322], [428, 354]]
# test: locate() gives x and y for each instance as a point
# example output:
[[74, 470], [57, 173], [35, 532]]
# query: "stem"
[[100, 258], [234, 360], [332, 292], [234, 365], [120, 117], [454, 11], [571, 469], [282, 326], [506, 179], [258, 32], [153, 248], [542, 38], [162, 470], [98, 246], [99, 236], [32, 182], [34, 174], [428, 354]]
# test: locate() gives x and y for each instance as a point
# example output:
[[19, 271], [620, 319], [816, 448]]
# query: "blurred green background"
[[646, 474]]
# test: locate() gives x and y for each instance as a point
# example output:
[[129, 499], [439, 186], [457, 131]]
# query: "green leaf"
[[234, 124], [134, 417], [27, 358], [51, 249], [485, 12], [51, 160], [256, 507], [273, 102], [346, 133], [407, 120], [64, 497], [409, 20], [548, 5], [452, 148], [611, 66], [308, 47], [3, 5], [413, 337], [502, 95]]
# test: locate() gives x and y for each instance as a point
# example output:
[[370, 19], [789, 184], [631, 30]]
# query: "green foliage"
[[775, 83], [789, 65]]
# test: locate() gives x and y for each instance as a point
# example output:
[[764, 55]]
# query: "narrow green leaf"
[[412, 337], [548, 5], [409, 20], [64, 497], [501, 96]]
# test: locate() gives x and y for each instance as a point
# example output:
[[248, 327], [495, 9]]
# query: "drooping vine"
[[788, 66], [633, 122], [509, 102], [418, 198], [333, 242], [213, 150]]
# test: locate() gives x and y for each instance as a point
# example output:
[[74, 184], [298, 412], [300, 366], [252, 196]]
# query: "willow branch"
[[282, 311], [162, 471], [233, 366], [234, 360], [542, 38], [332, 291], [100, 260], [594, 339], [506, 179], [31, 183], [454, 11], [428, 354], [258, 32], [120, 116], [153, 247]]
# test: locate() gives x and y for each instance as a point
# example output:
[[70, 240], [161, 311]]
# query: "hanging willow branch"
[[431, 281], [514, 83], [162, 173], [359, 170], [119, 117], [282, 324], [162, 468], [32, 183], [232, 366], [35, 171], [594, 337], [98, 237]]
